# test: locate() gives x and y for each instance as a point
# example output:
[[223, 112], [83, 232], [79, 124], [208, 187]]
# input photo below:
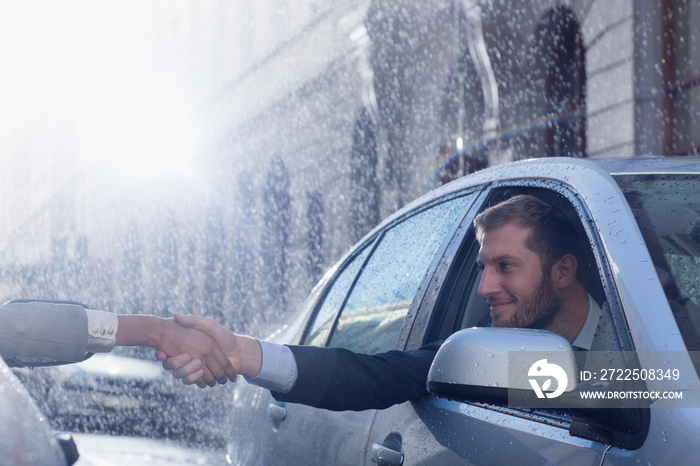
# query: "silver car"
[[413, 280]]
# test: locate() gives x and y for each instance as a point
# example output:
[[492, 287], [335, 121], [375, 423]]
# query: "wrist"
[[139, 330], [247, 359]]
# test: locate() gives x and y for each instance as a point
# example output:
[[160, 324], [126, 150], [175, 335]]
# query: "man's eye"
[[505, 265]]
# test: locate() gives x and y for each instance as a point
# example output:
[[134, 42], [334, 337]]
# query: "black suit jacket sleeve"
[[338, 379]]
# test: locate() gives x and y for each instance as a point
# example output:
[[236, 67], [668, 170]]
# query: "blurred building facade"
[[321, 118]]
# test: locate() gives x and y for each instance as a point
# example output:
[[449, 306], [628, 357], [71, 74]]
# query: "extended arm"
[[338, 379], [36, 332], [329, 378]]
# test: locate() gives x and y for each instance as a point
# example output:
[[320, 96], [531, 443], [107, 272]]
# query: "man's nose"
[[488, 285]]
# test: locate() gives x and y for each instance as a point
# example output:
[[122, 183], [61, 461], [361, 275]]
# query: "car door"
[[663, 312], [363, 309], [439, 431]]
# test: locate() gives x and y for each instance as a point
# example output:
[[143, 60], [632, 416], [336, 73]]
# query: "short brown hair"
[[552, 235]]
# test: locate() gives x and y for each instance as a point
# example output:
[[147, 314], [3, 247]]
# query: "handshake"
[[197, 350]]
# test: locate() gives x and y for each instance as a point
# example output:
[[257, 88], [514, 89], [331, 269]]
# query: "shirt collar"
[[584, 339]]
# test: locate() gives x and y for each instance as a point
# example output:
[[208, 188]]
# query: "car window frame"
[[425, 314], [418, 334], [605, 273]]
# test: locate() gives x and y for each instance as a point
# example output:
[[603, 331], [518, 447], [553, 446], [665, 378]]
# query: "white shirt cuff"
[[279, 368], [102, 331]]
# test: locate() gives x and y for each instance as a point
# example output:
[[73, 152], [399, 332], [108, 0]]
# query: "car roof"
[[650, 164], [551, 168], [613, 166]]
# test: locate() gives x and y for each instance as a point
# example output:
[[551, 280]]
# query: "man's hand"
[[244, 353], [171, 339]]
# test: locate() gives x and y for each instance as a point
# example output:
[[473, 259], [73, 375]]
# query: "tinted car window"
[[321, 327], [667, 209], [379, 301]]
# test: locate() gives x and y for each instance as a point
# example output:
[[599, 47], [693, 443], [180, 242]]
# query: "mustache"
[[491, 301]]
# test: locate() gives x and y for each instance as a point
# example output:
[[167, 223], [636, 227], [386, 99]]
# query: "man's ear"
[[564, 271]]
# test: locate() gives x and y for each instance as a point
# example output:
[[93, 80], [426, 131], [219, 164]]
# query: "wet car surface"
[[639, 216]]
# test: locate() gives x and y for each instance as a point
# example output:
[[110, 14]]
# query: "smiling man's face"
[[513, 285]]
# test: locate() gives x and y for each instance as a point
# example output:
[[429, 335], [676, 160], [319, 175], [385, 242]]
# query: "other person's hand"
[[243, 352]]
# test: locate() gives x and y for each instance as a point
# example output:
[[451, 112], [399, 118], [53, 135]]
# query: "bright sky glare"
[[143, 132], [72, 70]]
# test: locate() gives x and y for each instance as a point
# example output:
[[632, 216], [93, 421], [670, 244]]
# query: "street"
[[107, 450]]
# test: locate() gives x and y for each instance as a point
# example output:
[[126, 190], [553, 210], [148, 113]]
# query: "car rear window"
[[667, 209]]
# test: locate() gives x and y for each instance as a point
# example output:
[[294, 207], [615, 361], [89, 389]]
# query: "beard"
[[534, 311]]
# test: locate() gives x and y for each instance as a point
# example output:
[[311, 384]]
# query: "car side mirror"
[[489, 364]]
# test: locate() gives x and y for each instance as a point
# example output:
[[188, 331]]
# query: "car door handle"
[[385, 456], [276, 412]]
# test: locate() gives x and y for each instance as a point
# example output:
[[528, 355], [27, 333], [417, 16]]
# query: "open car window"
[[459, 305]]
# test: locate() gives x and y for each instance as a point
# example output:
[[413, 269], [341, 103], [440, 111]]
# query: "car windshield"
[[667, 209]]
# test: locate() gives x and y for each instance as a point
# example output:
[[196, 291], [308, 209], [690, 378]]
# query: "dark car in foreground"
[[413, 280], [26, 437], [132, 416]]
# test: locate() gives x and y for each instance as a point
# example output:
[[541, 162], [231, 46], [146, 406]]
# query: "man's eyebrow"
[[501, 258]]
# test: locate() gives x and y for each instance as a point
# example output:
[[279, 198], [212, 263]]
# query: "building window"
[[560, 59], [681, 75]]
